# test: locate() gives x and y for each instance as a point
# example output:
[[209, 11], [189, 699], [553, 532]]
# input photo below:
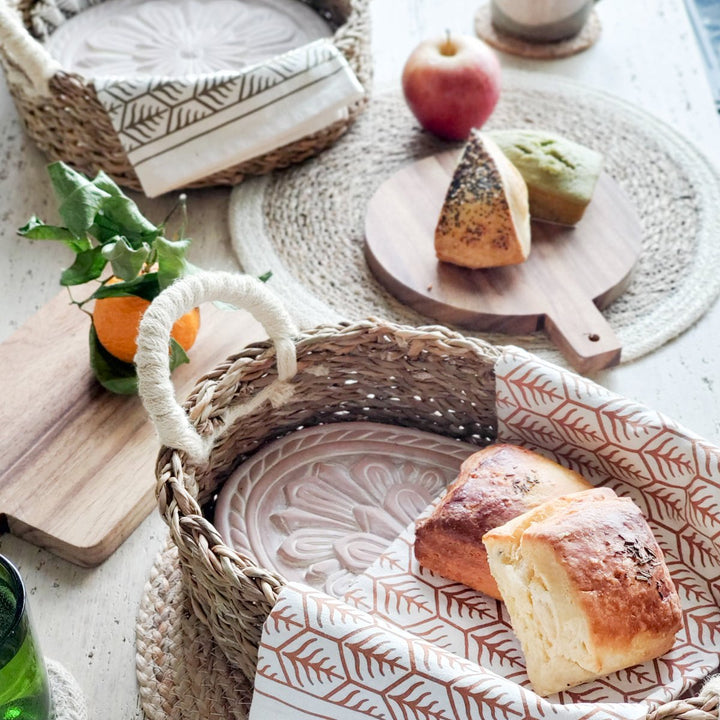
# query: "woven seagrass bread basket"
[[63, 116], [429, 378]]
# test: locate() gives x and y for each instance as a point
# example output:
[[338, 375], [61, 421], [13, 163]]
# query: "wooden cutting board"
[[77, 463], [571, 274]]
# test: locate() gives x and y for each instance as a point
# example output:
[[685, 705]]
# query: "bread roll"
[[586, 587], [494, 485], [484, 221], [560, 174]]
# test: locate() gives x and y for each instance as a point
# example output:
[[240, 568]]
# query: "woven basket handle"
[[27, 56], [151, 360]]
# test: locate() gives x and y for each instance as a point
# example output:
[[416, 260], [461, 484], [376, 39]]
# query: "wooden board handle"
[[584, 337]]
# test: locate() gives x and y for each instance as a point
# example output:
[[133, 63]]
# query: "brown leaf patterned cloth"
[[406, 643]]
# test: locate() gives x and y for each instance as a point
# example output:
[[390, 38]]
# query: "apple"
[[451, 84]]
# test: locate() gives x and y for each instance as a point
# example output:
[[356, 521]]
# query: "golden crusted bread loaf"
[[494, 485], [485, 218], [586, 587]]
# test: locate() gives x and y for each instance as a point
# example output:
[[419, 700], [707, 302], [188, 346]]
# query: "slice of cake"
[[560, 174], [485, 220], [586, 586]]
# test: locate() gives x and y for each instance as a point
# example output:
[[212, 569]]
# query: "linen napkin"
[[404, 643], [176, 131]]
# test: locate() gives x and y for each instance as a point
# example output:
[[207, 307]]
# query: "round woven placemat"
[[485, 30], [306, 223], [68, 699], [182, 674]]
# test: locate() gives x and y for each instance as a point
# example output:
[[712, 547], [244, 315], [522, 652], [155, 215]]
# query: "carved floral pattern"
[[322, 504], [164, 38]]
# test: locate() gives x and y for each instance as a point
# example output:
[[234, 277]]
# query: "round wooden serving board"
[[570, 274]]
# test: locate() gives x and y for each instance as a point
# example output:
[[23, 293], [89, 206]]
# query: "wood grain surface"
[[77, 462], [570, 274]]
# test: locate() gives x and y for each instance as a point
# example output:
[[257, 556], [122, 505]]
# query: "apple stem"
[[448, 47]]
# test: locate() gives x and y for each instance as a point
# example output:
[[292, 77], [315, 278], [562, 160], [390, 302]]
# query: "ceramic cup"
[[24, 684], [541, 20]]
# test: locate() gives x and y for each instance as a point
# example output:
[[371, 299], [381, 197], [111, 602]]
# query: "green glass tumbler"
[[24, 684]]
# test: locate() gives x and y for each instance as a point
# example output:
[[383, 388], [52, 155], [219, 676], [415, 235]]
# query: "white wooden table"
[[647, 54]]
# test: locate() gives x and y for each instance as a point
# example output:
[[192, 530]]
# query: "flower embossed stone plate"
[[320, 505], [158, 38]]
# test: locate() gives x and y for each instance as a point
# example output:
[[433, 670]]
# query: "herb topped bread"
[[586, 586], [485, 220], [493, 486], [560, 174]]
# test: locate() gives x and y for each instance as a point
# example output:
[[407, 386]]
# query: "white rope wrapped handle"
[[151, 360], [27, 55]]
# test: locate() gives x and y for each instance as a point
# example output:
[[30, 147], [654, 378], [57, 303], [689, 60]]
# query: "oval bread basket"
[[427, 378], [64, 117]]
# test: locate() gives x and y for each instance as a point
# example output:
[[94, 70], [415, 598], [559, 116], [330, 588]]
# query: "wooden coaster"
[[539, 51]]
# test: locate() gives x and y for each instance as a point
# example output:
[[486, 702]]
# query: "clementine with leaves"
[[104, 227], [117, 319]]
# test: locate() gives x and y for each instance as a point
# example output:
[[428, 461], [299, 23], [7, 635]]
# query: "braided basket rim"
[[232, 593]]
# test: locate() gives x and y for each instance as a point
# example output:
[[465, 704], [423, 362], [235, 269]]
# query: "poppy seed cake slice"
[[485, 218]]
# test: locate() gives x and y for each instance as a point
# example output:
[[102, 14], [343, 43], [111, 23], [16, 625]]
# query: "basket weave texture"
[[67, 121], [427, 378]]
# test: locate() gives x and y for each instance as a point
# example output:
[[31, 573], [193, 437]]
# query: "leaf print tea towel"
[[405, 643], [176, 131]]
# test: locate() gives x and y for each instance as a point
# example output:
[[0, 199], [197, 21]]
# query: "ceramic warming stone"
[[161, 39], [319, 505]]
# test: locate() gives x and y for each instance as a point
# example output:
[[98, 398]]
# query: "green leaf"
[[265, 276], [145, 286], [120, 377], [178, 356], [105, 182], [104, 229], [65, 180], [88, 265], [126, 261], [122, 212], [114, 375], [36, 229], [171, 259], [78, 198]]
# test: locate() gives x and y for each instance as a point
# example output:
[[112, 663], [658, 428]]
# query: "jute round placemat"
[[485, 30], [306, 223], [67, 697], [182, 674]]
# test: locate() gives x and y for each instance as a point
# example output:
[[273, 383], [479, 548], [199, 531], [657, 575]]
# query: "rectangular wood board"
[[77, 463]]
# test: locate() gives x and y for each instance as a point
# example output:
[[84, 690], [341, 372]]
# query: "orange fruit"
[[117, 319]]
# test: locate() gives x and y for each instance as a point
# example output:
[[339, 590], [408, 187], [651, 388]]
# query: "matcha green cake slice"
[[560, 174]]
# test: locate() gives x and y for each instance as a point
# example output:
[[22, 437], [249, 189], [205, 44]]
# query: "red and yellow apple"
[[452, 84]]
